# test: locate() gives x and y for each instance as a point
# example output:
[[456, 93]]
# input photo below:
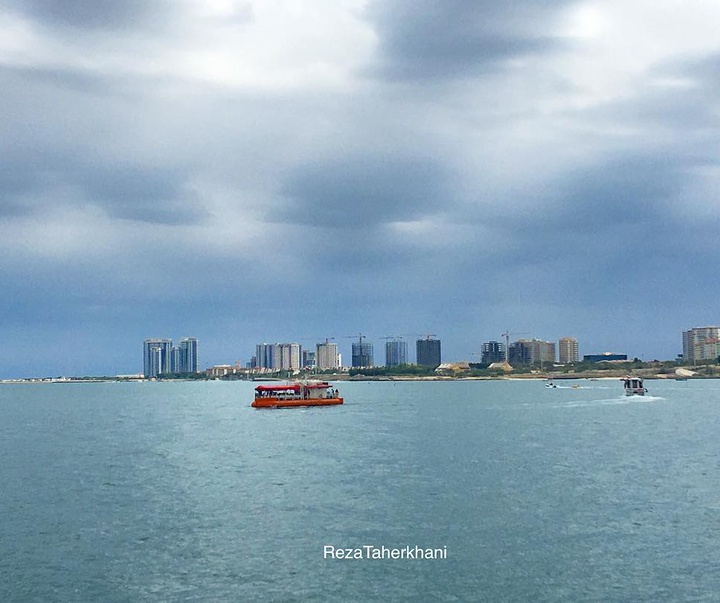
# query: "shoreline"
[[595, 376]]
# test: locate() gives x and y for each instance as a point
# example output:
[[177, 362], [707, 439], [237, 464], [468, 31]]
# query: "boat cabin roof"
[[292, 387]]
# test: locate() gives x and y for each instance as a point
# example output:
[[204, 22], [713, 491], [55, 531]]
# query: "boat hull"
[[271, 402]]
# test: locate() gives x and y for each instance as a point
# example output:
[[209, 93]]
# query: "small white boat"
[[634, 386], [550, 384]]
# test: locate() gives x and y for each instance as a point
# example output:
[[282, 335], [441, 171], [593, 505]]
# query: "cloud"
[[358, 192], [463, 168], [446, 40], [88, 14], [143, 193], [30, 184]]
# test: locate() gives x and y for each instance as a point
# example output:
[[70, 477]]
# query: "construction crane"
[[427, 336], [506, 335], [362, 355]]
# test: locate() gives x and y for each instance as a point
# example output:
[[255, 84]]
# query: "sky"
[[291, 171]]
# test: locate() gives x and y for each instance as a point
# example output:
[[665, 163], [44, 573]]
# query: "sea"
[[180, 491]]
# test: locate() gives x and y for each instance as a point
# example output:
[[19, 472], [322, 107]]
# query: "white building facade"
[[701, 344]]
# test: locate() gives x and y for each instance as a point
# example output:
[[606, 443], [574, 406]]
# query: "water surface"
[[181, 492]]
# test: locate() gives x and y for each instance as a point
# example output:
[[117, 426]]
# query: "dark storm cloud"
[[144, 194], [626, 190], [118, 119], [87, 14], [72, 79], [52, 154], [30, 181], [12, 208], [455, 38], [25, 174], [633, 198], [612, 207], [702, 69], [20, 173], [55, 81], [362, 191], [677, 96]]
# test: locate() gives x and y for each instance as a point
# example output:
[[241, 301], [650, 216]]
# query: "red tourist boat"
[[312, 393]]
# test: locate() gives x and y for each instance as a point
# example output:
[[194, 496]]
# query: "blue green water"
[[181, 492]]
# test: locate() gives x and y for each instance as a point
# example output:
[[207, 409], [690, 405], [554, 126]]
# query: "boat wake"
[[610, 401]]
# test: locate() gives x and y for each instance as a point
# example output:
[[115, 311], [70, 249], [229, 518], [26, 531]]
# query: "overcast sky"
[[249, 171]]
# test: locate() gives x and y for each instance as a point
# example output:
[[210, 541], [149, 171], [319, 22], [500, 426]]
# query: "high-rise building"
[[308, 359], [520, 352], [290, 355], [701, 344], [326, 356], [542, 352], [156, 357], [362, 354], [493, 351], [278, 356], [395, 352], [175, 359], [188, 355], [568, 350], [265, 355], [428, 352]]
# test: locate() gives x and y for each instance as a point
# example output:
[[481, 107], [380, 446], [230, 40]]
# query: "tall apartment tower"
[[395, 352], [188, 355], [362, 355], [156, 357], [290, 356], [175, 359], [264, 355], [701, 344], [542, 352], [308, 359], [493, 351], [428, 352], [278, 356], [520, 352], [568, 350], [326, 356]]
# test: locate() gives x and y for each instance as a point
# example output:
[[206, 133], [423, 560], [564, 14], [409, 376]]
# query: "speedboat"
[[634, 386]]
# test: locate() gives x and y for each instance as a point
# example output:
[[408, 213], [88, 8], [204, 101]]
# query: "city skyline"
[[294, 357], [697, 344], [278, 357], [161, 356], [254, 171]]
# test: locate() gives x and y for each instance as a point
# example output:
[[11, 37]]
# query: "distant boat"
[[288, 395], [550, 384], [634, 386]]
